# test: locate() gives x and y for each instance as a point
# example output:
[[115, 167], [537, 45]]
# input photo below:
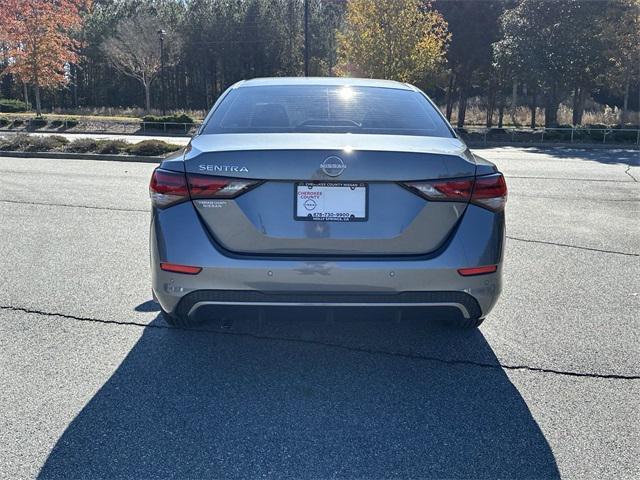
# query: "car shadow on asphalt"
[[148, 306], [348, 397]]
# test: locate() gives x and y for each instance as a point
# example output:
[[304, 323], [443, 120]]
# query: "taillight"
[[458, 190], [487, 191], [207, 186], [167, 188], [490, 192]]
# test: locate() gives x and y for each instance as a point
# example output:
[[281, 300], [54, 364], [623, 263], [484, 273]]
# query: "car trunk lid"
[[269, 218]]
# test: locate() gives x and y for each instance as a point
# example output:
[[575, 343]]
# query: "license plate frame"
[[342, 217]]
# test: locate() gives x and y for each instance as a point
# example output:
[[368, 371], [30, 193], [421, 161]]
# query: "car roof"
[[332, 81]]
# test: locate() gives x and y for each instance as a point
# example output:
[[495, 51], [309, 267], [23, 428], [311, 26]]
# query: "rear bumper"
[[458, 303], [177, 236]]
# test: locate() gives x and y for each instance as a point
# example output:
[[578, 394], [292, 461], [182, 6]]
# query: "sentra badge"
[[222, 168]]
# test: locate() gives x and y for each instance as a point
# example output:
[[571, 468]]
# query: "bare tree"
[[134, 50]]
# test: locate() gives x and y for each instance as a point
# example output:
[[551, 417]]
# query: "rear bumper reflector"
[[467, 272], [173, 267]]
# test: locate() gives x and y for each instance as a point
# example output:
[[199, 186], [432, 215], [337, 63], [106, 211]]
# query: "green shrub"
[[596, 132], [46, 144], [18, 122], [37, 123], [155, 122], [82, 145], [4, 121], [623, 135], [8, 105], [152, 148], [66, 123], [111, 147], [15, 143], [560, 135], [175, 118], [35, 143], [183, 118], [59, 139], [580, 135], [28, 143]]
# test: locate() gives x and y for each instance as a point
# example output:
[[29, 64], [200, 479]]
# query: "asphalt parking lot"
[[94, 385]]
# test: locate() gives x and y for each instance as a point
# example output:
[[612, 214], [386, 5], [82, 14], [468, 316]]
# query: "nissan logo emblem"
[[333, 166]]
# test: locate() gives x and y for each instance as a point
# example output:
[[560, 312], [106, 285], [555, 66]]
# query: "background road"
[[93, 384]]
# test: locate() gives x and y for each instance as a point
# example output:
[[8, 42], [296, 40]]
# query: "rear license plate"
[[331, 202]]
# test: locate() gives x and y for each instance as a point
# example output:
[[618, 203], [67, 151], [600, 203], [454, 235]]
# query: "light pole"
[[161, 34]]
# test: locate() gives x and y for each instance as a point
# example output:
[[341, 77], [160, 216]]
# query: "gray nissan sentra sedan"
[[331, 193]]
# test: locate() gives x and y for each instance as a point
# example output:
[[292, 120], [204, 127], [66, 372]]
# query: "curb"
[[83, 156]]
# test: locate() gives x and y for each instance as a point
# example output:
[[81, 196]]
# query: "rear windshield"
[[326, 109]]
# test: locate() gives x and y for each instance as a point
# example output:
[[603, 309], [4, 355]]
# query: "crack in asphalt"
[[408, 356], [614, 252], [114, 209], [627, 171]]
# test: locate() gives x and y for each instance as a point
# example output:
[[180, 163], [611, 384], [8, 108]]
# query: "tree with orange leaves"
[[39, 36]]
